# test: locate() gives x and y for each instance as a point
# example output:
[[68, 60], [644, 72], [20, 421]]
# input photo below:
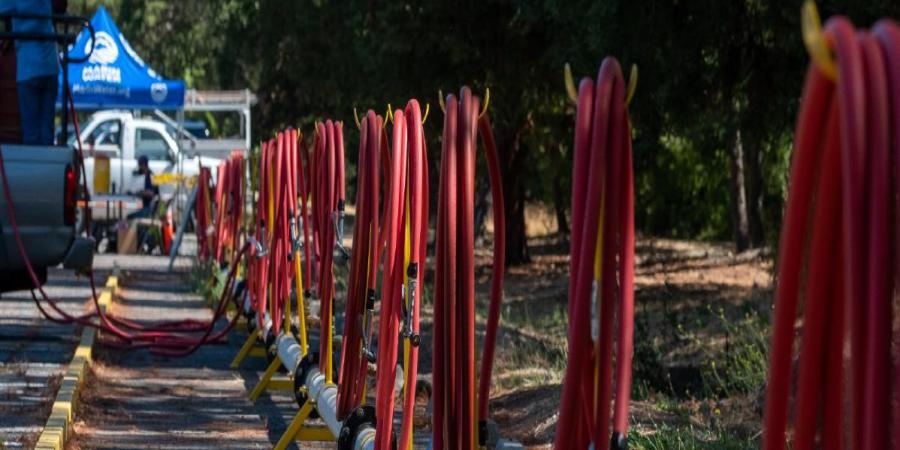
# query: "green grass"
[[688, 437], [742, 366], [200, 280], [731, 359]]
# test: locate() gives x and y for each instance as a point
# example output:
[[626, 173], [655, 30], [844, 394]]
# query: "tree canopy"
[[713, 114]]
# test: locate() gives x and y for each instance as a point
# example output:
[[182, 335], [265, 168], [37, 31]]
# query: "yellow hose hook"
[[815, 40], [388, 116], [570, 84], [427, 109], [487, 101], [355, 119], [632, 84]]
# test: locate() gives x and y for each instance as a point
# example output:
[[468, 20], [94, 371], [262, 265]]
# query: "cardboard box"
[[127, 238]]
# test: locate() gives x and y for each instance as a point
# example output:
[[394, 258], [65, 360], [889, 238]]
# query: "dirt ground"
[[695, 303]]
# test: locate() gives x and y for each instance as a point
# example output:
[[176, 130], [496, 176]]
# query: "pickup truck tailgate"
[[36, 176]]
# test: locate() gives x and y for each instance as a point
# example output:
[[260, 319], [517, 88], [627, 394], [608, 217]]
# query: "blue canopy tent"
[[115, 76]]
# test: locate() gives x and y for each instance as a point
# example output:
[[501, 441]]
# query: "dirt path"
[[693, 301]]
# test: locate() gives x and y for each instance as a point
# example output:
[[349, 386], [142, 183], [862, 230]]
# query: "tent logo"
[[158, 92], [105, 51]]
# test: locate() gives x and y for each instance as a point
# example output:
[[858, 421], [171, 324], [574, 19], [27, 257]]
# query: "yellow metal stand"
[[266, 383], [297, 432], [250, 348]]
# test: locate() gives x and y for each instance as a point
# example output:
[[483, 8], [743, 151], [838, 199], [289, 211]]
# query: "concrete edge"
[[57, 430]]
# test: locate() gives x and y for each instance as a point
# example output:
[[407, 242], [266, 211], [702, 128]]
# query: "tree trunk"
[[482, 203], [559, 205], [739, 208], [513, 156], [516, 238], [753, 178]]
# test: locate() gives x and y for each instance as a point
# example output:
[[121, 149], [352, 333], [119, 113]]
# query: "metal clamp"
[[367, 326], [338, 219], [293, 236], [296, 242], [259, 249], [408, 304]]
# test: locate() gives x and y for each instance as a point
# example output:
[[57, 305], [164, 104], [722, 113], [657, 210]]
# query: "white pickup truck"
[[124, 138]]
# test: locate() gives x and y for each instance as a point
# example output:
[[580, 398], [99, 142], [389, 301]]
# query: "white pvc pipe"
[[325, 397], [288, 352]]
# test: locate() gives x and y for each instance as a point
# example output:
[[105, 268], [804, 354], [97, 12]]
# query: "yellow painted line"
[[57, 430]]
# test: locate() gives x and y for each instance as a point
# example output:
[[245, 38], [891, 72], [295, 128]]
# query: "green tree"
[[713, 115]]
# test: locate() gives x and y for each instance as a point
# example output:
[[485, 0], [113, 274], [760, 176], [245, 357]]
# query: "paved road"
[[34, 352]]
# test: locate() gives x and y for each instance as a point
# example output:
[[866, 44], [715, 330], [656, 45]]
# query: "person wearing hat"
[[147, 192]]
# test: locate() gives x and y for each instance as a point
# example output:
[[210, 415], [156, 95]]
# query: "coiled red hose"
[[326, 202], [363, 270], [302, 185], [406, 221], [601, 267], [202, 214], [229, 198], [838, 252], [454, 400], [418, 236]]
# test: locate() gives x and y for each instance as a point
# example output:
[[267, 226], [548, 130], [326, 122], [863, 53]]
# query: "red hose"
[[201, 214], [418, 226], [363, 270], [327, 187], [304, 215], [601, 266], [843, 204], [888, 34], [455, 409], [392, 282]]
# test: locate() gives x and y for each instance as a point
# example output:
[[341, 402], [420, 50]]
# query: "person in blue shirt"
[[37, 68]]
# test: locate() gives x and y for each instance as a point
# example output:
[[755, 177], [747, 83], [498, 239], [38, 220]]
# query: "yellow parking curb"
[[57, 430]]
